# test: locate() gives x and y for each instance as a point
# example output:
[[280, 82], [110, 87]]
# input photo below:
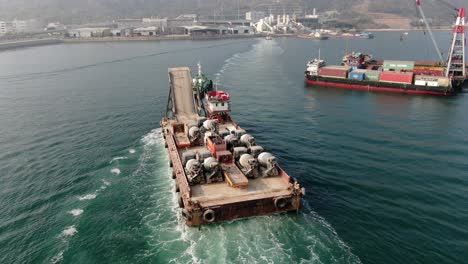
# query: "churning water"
[[85, 178]]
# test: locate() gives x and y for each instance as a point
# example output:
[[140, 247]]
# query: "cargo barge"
[[361, 72], [220, 172], [378, 80]]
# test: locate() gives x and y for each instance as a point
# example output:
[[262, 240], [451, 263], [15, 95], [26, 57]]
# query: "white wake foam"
[[69, 231], [76, 212], [118, 158], [152, 138], [115, 171], [131, 151], [89, 196], [105, 184], [57, 258]]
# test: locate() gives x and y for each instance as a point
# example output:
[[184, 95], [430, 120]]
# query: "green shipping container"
[[372, 75], [398, 65]]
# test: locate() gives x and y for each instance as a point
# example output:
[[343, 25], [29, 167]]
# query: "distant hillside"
[[77, 11]]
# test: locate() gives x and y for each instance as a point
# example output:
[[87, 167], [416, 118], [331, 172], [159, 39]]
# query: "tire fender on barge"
[[209, 216]]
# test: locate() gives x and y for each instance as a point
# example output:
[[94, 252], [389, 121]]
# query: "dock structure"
[[28, 43], [211, 182]]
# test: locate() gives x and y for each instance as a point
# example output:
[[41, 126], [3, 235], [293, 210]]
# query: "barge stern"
[[220, 172]]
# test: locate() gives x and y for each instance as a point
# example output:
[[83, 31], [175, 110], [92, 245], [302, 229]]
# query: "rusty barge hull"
[[236, 196], [262, 196]]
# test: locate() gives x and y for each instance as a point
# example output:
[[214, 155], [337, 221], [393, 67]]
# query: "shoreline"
[[24, 43], [403, 29], [166, 38], [16, 44]]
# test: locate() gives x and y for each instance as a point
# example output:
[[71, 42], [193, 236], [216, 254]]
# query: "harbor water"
[[84, 176]]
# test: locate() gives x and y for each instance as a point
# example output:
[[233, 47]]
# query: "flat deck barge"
[[220, 172]]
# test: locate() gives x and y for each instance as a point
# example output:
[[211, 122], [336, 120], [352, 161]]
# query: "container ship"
[[220, 171], [362, 72]]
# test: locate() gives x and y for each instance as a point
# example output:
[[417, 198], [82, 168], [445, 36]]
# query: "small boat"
[[321, 36], [366, 35]]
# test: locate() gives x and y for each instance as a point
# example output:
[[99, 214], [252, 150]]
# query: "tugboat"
[[201, 83], [366, 35], [220, 171]]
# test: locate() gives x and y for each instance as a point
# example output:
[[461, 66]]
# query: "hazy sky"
[[104, 9]]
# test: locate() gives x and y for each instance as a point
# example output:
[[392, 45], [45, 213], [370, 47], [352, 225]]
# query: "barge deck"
[[218, 176]]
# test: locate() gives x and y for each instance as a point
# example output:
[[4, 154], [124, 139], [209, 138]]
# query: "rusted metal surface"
[[237, 196], [234, 176], [177, 166], [259, 197]]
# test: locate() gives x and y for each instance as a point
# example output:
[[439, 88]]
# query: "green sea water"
[[84, 176]]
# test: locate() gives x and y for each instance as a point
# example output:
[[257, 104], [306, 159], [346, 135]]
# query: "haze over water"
[[84, 176]]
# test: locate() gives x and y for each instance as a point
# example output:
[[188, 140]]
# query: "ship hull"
[[377, 86], [229, 203]]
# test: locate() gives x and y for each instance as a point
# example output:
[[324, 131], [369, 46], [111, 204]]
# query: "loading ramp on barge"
[[181, 94]]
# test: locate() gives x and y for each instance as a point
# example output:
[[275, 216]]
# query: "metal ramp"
[[181, 105]]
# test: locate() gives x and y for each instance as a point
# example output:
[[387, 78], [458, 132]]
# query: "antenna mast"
[[199, 68]]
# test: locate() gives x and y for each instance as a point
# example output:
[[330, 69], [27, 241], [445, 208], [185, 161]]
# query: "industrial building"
[[18, 26], [5, 27], [89, 32], [310, 21], [217, 30], [160, 23], [129, 23], [176, 25], [146, 31]]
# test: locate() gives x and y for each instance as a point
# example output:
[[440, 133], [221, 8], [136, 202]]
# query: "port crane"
[[456, 58], [455, 62]]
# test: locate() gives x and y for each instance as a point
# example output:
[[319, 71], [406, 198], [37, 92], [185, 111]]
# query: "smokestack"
[[314, 12]]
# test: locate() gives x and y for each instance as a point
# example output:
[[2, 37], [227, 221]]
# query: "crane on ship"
[[455, 62]]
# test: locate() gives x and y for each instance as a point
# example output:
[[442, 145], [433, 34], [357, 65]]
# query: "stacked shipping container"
[[357, 75], [397, 77], [402, 72], [393, 65], [335, 71], [372, 76]]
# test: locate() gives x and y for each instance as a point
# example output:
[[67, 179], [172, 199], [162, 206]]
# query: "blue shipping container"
[[356, 75]]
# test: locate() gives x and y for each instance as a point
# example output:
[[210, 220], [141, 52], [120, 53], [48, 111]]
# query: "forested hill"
[[76, 11]]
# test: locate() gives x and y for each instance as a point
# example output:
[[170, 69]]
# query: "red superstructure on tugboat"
[[361, 72], [220, 172]]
